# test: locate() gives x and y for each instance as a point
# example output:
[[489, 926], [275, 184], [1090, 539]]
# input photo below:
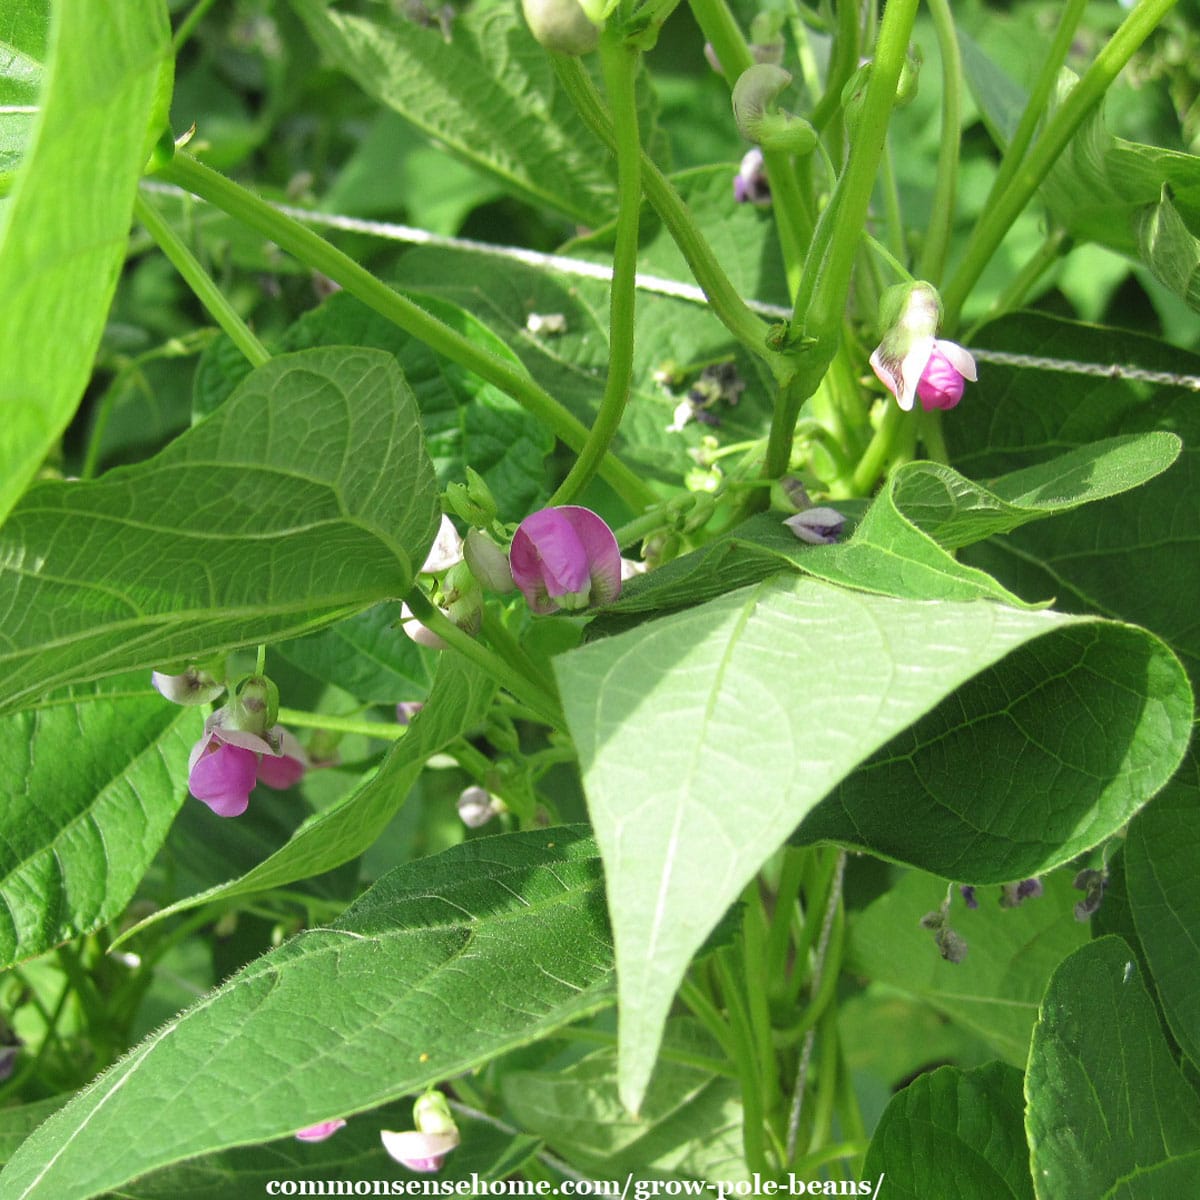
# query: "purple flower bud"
[[968, 895], [941, 383], [817, 526], [750, 185], [951, 946], [565, 558], [8, 1058], [1092, 883], [1029, 889], [320, 1131], [222, 775], [407, 709]]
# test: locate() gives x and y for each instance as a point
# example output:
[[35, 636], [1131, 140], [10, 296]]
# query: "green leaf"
[[465, 420], [1011, 953], [306, 497], [24, 27], [1169, 249], [100, 773], [441, 966], [698, 759], [1114, 558], [488, 93], [957, 512], [1109, 1114], [367, 656], [355, 1153], [955, 1133], [18, 1122], [690, 1125], [461, 696], [1160, 865], [63, 233]]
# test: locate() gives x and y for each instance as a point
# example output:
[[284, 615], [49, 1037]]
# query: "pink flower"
[[320, 1131], [225, 764], [423, 1152], [941, 383], [222, 775], [565, 558]]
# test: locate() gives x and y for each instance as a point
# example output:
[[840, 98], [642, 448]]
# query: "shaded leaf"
[[99, 774], [1169, 249], [1109, 1113], [339, 1020], [955, 1133], [308, 496]]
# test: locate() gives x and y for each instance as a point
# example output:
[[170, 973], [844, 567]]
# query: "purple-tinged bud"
[[193, 686], [321, 1131], [488, 563], [447, 549], [951, 946], [477, 806], [750, 184], [565, 558], [462, 598], [1092, 883], [419, 633], [424, 1149], [817, 526], [407, 709], [968, 894], [252, 707], [8, 1058], [910, 361]]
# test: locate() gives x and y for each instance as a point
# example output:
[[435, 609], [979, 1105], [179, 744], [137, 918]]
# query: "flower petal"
[[422, 1152], [958, 358], [320, 1131], [223, 777], [600, 547]]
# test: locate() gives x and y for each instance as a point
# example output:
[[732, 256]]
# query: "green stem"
[[1032, 172], [601, 1037], [1040, 99], [707, 1014], [311, 720], [893, 215], [753, 1140], [941, 222], [757, 982], [822, 297], [843, 64], [511, 651], [788, 206], [879, 450], [786, 895], [1042, 259], [620, 63], [293, 237], [188, 25], [726, 303], [524, 689], [195, 276]]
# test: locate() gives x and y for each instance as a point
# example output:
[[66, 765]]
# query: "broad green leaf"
[[464, 419], [367, 656], [957, 512], [955, 1134], [18, 1122], [460, 697], [1108, 1113], [1169, 249], [307, 497], [690, 1125], [1011, 953], [707, 736], [1082, 729], [63, 233], [1134, 556], [98, 774], [24, 26], [355, 1153], [441, 966], [1164, 896], [487, 92]]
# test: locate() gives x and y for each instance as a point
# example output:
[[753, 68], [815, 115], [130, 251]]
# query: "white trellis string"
[[562, 265]]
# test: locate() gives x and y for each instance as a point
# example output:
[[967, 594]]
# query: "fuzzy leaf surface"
[[306, 497], [340, 1020]]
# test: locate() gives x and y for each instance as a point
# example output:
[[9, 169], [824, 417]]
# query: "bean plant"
[[597, 597]]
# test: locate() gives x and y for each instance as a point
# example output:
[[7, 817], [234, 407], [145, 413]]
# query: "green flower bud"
[[753, 95], [488, 563], [473, 501], [462, 598], [253, 706], [561, 25]]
